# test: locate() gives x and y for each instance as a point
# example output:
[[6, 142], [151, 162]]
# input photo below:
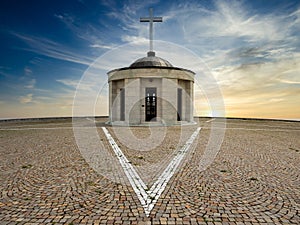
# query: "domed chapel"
[[151, 91]]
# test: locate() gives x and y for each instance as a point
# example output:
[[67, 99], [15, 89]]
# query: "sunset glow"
[[250, 48]]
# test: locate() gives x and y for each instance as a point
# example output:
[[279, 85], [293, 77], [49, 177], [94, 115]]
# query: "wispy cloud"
[[26, 99], [132, 38], [232, 19], [258, 75], [256, 87], [27, 71], [253, 56], [5, 72], [31, 84], [102, 46], [288, 81], [28, 80], [85, 31], [129, 15], [49, 48], [69, 83], [234, 28]]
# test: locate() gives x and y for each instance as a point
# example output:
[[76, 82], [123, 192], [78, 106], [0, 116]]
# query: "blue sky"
[[251, 48]]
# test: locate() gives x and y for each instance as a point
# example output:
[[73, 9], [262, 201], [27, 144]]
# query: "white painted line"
[[148, 198], [90, 119], [136, 182], [158, 187], [210, 120]]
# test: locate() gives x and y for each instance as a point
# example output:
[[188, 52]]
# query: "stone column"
[[110, 101], [191, 101], [132, 106], [169, 100]]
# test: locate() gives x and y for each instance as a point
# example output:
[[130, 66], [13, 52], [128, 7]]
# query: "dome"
[[150, 61]]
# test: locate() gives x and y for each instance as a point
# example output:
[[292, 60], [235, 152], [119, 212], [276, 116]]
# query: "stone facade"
[[152, 94]]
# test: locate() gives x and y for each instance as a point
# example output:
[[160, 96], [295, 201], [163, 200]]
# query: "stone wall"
[[165, 80]]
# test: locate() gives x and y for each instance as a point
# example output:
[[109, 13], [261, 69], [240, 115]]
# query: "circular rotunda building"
[[150, 92]]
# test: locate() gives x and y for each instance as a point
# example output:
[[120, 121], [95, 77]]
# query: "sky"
[[248, 51]]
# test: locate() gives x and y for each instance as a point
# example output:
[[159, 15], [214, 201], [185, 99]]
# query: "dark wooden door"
[[151, 104]]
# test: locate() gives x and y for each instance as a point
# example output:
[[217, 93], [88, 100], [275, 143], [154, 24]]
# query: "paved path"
[[254, 179]]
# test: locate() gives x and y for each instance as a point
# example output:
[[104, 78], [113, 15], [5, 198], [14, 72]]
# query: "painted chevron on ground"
[[148, 197]]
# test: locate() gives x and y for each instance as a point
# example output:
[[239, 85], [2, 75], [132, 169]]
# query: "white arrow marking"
[[148, 198]]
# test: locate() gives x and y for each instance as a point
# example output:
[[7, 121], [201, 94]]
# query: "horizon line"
[[106, 116]]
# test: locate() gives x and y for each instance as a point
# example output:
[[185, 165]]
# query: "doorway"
[[151, 104], [179, 104]]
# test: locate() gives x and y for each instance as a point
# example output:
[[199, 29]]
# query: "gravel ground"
[[254, 179]]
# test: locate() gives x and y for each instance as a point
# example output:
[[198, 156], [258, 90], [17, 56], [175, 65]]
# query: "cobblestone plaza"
[[254, 179]]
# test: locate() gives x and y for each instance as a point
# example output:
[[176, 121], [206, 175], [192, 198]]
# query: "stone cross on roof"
[[151, 20]]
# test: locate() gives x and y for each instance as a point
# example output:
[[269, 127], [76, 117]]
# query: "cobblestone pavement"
[[254, 179]]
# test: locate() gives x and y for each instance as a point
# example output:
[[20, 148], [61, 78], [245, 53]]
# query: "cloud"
[[288, 81], [136, 39], [84, 30], [268, 89], [91, 81], [252, 56], [52, 49], [31, 84], [259, 75], [129, 16], [102, 46], [6, 72], [232, 19], [295, 17], [232, 32], [95, 34], [27, 79], [69, 82], [26, 99], [27, 71]]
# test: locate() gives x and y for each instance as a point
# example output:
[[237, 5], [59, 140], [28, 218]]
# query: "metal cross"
[[151, 20]]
